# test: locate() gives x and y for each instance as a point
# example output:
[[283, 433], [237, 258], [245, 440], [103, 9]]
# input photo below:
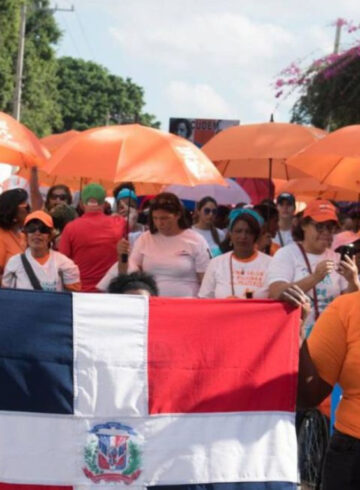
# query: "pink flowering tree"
[[329, 89]]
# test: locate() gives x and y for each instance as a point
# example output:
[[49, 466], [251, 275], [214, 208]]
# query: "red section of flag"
[[14, 486], [238, 355]]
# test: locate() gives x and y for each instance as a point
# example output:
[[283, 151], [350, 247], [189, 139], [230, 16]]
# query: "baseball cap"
[[41, 216], [286, 196], [93, 191], [320, 210], [344, 238]]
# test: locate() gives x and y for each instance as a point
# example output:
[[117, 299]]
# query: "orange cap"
[[321, 210], [41, 216]]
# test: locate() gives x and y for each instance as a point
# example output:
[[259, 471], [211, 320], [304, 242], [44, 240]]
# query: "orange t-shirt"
[[10, 244], [334, 346]]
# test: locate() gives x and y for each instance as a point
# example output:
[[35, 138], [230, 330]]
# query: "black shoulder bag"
[[30, 273]]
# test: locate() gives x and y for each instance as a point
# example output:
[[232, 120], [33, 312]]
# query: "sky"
[[204, 58]]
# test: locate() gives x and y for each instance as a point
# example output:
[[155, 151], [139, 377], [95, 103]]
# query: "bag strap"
[[316, 304], [30, 273], [281, 238]]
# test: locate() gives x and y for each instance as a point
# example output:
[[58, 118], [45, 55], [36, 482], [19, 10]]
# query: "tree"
[[332, 97], [329, 87], [40, 110], [90, 96], [65, 93], [9, 27]]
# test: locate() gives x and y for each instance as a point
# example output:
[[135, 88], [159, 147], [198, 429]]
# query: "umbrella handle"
[[124, 257]]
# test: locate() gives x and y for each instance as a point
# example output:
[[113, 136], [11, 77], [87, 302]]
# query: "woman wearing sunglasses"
[[241, 271], [13, 211], [311, 265], [58, 194], [205, 215], [40, 267]]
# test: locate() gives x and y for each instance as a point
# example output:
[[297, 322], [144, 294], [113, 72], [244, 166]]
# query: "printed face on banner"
[[199, 131]]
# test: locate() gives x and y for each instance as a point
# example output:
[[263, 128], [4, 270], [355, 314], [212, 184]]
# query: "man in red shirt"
[[90, 241]]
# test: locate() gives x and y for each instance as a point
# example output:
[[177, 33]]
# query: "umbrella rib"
[[322, 181]]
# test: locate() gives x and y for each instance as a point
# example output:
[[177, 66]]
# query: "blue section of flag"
[[36, 352], [272, 485]]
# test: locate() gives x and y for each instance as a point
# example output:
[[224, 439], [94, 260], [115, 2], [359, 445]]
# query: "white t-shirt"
[[288, 265], [213, 246], [49, 274], [174, 261], [248, 276], [286, 236]]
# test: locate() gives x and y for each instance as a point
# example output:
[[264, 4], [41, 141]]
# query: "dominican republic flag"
[[107, 390]]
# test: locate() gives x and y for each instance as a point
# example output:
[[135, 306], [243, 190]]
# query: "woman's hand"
[[296, 297], [123, 247], [323, 268], [349, 270]]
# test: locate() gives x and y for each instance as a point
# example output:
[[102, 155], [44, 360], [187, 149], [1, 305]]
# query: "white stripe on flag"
[[198, 448], [110, 354]]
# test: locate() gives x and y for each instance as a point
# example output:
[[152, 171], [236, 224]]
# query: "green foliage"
[[40, 108], [332, 97], [90, 96], [90, 456], [9, 26], [65, 93], [134, 459]]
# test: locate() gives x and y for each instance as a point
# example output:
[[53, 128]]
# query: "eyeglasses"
[[26, 207], [326, 226], [62, 197], [210, 211], [34, 227]]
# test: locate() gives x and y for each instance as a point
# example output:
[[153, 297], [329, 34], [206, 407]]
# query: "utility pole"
[[20, 64], [20, 58], [337, 38]]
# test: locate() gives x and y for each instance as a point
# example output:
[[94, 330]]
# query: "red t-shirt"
[[90, 241]]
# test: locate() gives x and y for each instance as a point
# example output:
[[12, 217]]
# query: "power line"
[[88, 44], [68, 30]]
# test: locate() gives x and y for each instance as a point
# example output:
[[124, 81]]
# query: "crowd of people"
[[159, 248]]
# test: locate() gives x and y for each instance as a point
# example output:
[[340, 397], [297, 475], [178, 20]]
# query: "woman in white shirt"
[[173, 254], [239, 273], [205, 214], [40, 267], [311, 265]]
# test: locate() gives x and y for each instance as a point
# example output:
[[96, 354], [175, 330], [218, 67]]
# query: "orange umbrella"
[[18, 145], [133, 153], [260, 150], [54, 141], [334, 160], [76, 183], [309, 188]]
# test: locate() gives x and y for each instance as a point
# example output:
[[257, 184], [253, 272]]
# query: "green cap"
[[93, 191]]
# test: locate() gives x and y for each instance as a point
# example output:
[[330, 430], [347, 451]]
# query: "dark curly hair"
[[9, 202], [62, 187], [167, 201], [174, 125], [124, 283]]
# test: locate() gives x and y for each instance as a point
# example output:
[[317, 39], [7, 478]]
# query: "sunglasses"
[[210, 211], [34, 227], [62, 197], [320, 227]]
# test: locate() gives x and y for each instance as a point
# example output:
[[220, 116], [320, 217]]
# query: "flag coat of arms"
[[111, 390]]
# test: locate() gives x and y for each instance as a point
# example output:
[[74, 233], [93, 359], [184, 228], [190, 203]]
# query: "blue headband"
[[126, 193], [235, 213]]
